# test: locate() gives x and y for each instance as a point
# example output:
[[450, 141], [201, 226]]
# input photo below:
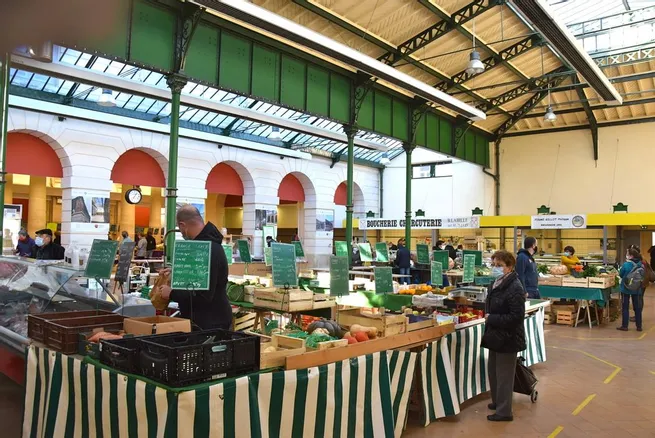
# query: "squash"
[[559, 270], [371, 332], [361, 336], [331, 327], [351, 340]]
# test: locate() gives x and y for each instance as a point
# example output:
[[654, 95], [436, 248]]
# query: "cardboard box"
[[156, 325]]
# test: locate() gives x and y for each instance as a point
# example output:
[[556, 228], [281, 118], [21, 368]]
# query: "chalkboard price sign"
[[477, 254], [365, 252], [339, 285], [436, 269], [469, 268], [244, 251], [381, 252], [101, 259], [228, 253], [341, 248], [441, 257], [125, 252], [423, 254], [383, 280], [191, 261], [300, 253], [284, 265], [268, 255]]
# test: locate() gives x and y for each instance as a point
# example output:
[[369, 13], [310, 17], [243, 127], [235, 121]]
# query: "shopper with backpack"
[[632, 275]]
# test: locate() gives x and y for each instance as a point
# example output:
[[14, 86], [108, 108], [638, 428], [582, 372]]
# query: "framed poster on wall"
[[90, 211]]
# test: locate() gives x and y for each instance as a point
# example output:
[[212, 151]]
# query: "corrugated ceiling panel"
[[496, 34], [452, 63], [530, 62], [497, 75]]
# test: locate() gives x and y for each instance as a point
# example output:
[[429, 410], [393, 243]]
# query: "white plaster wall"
[[89, 149], [456, 195]]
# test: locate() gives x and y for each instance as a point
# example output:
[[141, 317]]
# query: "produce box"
[[249, 294], [293, 300], [417, 322], [324, 301], [552, 280], [275, 350], [601, 282], [122, 354], [86, 347], [386, 324], [36, 323], [151, 325], [566, 317], [550, 318], [63, 334], [243, 321], [574, 282], [564, 307]]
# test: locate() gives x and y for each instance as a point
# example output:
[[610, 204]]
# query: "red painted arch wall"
[[29, 155], [341, 194], [137, 168], [224, 180], [291, 189]]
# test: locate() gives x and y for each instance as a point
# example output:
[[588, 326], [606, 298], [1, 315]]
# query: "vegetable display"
[[543, 269], [331, 327], [559, 270]]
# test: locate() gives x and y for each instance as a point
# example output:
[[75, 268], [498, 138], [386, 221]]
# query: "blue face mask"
[[497, 272], [568, 254], [38, 241]]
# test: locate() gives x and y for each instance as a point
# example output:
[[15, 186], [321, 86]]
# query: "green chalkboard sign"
[[300, 254], [383, 280], [339, 285], [423, 254], [365, 252], [284, 265], [341, 249], [436, 269], [381, 252], [477, 254], [244, 251], [101, 258], [441, 257], [469, 268], [191, 261], [268, 255], [228, 253]]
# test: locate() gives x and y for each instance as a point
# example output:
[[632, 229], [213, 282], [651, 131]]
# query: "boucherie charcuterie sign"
[[420, 223]]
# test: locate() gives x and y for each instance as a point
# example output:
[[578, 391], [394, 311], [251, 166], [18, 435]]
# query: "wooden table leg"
[[577, 315]]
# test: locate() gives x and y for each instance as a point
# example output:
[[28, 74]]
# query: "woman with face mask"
[[569, 259], [504, 334], [633, 266]]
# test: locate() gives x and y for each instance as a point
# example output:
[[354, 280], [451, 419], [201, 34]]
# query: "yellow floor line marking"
[[580, 338], [556, 432], [582, 405], [617, 369], [652, 372]]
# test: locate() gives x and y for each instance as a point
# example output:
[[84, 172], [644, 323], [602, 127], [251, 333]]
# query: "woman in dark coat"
[[504, 334]]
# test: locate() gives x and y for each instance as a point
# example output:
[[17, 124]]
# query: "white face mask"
[[38, 241]]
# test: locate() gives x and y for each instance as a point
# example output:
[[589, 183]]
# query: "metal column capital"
[[176, 82]]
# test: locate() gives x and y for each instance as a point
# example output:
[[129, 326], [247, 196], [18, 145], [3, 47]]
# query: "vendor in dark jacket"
[[208, 309], [526, 267], [504, 334], [46, 248], [26, 245], [403, 261]]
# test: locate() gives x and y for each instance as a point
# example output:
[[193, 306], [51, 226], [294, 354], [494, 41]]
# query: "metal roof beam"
[[494, 60], [384, 45], [460, 17], [623, 58], [527, 106], [591, 118], [581, 127], [597, 107]]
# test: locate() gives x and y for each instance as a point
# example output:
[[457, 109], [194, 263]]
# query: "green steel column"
[[408, 194], [4, 114], [175, 82], [350, 133]]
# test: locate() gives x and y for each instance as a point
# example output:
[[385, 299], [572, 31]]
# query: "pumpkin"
[[361, 336], [351, 340], [371, 332], [331, 327]]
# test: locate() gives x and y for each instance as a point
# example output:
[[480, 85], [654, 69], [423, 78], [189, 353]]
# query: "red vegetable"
[[361, 336]]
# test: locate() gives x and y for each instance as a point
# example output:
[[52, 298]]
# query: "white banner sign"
[[420, 223], [559, 221]]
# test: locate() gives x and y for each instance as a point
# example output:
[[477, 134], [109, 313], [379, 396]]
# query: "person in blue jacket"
[[26, 245], [526, 267], [633, 261], [403, 261]]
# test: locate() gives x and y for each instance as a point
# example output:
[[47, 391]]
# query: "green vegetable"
[[590, 271], [543, 269]]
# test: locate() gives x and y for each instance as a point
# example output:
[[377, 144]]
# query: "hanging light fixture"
[[475, 66], [384, 160], [550, 115], [275, 133], [107, 98]]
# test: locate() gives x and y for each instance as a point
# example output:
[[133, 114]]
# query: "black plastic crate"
[[185, 359], [121, 354]]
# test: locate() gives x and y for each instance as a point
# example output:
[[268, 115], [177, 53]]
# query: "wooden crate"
[[285, 346], [329, 344], [575, 282], [324, 301], [293, 300], [417, 322], [601, 282], [249, 294], [551, 281], [245, 322], [550, 318], [566, 317], [386, 325]]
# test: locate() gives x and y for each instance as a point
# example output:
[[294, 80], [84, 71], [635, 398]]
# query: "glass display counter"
[[30, 286]]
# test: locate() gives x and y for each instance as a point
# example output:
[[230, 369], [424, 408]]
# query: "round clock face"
[[133, 196]]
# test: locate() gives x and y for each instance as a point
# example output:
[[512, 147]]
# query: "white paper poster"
[[559, 221]]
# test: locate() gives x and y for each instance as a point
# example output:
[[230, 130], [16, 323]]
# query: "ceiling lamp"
[[475, 66], [384, 160], [275, 133], [107, 98], [550, 115]]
